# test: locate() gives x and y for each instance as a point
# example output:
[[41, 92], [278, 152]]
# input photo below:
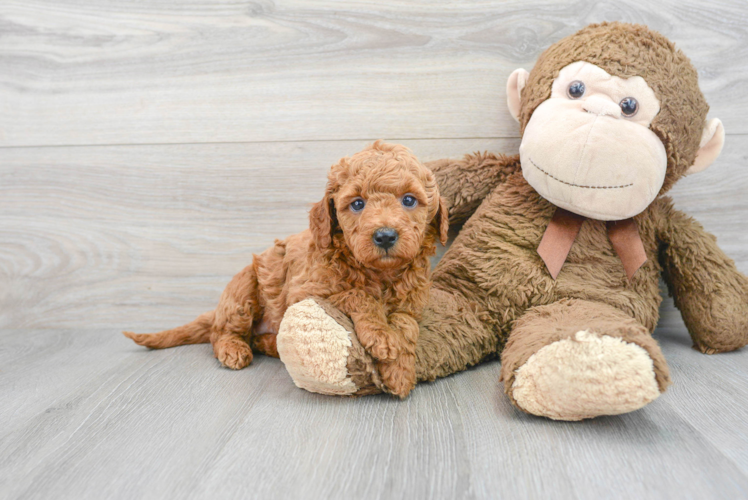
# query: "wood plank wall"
[[148, 148]]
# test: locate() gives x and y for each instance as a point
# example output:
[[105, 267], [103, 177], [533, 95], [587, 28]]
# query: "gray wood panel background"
[[148, 148]]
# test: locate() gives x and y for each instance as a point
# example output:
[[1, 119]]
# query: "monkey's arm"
[[465, 183], [710, 292]]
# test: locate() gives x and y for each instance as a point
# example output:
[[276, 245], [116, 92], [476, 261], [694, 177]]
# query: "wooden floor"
[[148, 148]]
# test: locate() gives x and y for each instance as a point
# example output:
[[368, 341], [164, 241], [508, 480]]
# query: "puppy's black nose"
[[385, 237]]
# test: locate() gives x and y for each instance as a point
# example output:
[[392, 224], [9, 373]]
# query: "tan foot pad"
[[314, 348], [584, 377]]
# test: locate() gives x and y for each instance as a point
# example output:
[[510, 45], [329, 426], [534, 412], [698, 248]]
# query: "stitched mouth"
[[577, 185]]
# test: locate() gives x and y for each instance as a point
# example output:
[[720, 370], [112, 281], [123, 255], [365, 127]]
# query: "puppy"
[[366, 250]]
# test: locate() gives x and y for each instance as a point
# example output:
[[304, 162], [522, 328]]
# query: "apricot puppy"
[[366, 250]]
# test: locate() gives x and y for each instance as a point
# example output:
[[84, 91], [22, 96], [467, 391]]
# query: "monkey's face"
[[589, 148]]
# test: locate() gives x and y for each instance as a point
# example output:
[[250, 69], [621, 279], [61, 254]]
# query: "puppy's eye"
[[629, 106], [357, 205], [576, 89], [409, 201]]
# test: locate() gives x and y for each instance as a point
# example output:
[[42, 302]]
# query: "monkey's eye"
[[409, 201], [576, 89], [357, 205], [629, 106]]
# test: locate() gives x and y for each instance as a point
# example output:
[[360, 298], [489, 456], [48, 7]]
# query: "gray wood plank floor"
[[148, 148]]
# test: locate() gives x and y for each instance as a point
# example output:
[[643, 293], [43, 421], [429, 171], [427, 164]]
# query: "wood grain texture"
[[113, 72], [89, 415]]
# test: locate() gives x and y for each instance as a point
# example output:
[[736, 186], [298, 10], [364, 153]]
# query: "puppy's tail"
[[197, 332]]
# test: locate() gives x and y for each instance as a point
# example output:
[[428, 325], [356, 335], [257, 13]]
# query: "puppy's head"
[[383, 204]]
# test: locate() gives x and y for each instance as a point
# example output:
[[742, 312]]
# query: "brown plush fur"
[[494, 266], [492, 293], [383, 291]]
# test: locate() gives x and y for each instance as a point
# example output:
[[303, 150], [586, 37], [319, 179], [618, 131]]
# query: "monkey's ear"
[[712, 140], [322, 221], [514, 86], [441, 221]]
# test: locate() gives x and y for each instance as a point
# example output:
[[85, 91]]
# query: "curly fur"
[[383, 291]]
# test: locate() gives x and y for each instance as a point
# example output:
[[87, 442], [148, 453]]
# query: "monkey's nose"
[[601, 106], [385, 237]]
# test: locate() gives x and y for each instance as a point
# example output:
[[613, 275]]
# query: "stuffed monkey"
[[556, 269]]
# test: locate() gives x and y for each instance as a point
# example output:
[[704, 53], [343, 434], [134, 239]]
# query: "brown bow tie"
[[563, 229]]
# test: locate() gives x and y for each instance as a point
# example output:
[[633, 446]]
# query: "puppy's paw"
[[399, 376], [378, 342], [384, 349], [232, 352]]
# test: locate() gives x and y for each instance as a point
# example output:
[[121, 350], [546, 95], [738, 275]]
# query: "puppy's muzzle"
[[385, 238]]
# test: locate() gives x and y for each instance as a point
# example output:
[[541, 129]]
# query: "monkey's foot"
[[585, 376], [575, 359]]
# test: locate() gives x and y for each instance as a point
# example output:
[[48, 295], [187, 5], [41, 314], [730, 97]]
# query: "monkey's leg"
[[322, 354], [232, 327], [575, 359]]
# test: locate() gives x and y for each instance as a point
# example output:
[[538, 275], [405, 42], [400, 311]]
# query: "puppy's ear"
[[441, 221], [322, 221]]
